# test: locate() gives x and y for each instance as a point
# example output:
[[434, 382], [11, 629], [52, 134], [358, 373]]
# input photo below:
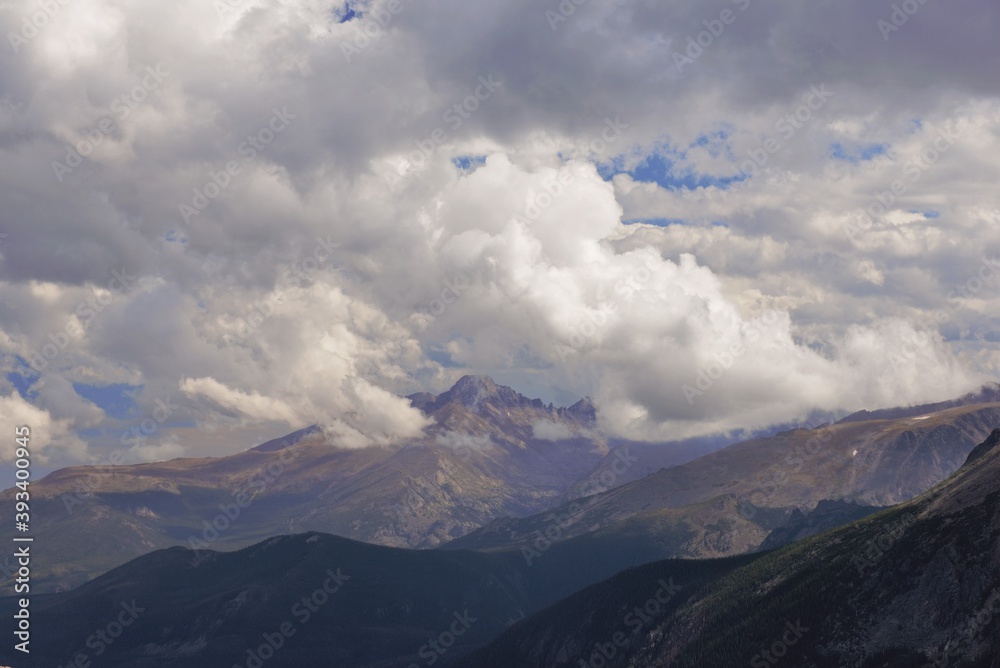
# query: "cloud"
[[252, 405], [48, 437], [465, 444], [551, 431], [345, 260]]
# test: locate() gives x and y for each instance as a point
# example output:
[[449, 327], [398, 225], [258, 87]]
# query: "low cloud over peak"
[[705, 221]]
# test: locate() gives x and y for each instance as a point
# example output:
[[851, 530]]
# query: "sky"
[[223, 220]]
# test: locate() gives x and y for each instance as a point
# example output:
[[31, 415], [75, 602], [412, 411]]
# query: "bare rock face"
[[479, 460]]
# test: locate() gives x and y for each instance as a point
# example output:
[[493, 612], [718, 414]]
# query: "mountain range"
[[913, 585], [490, 473], [729, 501], [480, 459]]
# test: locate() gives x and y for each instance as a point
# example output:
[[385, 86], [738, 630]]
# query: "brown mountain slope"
[[479, 460], [917, 585], [874, 462]]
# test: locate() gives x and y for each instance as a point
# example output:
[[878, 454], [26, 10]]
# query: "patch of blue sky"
[[173, 236], [468, 163], [348, 12], [116, 434], [659, 222], [659, 168], [855, 154], [22, 382], [117, 400], [716, 143], [443, 357]]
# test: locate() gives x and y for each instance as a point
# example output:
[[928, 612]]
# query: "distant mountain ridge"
[[917, 585], [903, 587], [987, 394], [731, 500], [475, 391], [480, 459], [489, 453]]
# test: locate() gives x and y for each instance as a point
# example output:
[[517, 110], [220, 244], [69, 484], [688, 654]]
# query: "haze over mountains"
[[915, 583], [724, 275], [491, 472], [390, 608], [728, 501], [490, 452]]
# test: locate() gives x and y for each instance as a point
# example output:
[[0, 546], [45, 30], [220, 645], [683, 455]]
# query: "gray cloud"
[[327, 273]]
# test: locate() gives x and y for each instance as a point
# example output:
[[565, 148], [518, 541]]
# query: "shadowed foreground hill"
[[331, 601], [915, 585]]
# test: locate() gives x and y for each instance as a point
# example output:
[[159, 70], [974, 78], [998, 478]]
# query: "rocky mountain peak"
[[482, 395], [585, 409], [473, 390]]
